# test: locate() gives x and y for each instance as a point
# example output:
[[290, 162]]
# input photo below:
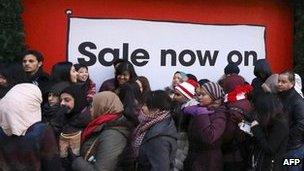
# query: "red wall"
[[45, 21]]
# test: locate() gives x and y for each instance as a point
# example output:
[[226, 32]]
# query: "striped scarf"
[[146, 122]]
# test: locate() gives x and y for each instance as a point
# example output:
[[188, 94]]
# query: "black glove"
[[71, 155]]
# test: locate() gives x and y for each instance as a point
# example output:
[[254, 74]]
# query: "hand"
[[245, 127], [254, 123], [71, 155]]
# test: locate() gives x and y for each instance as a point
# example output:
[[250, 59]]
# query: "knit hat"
[[231, 68], [187, 88], [214, 90], [232, 81]]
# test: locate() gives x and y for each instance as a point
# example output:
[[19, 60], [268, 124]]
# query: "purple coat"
[[205, 134]]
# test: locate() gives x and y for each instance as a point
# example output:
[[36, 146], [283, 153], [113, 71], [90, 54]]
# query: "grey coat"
[[158, 149], [112, 141]]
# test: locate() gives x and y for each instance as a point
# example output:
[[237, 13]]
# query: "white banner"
[[159, 49]]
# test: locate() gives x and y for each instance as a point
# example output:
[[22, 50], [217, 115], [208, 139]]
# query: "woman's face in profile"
[[202, 97]]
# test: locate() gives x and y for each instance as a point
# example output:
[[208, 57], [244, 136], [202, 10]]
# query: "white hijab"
[[298, 84], [20, 109]]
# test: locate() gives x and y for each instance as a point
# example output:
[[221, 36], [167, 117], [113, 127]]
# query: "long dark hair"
[[122, 67], [131, 98], [61, 72], [268, 108]]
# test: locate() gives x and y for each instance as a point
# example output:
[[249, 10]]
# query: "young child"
[[84, 78]]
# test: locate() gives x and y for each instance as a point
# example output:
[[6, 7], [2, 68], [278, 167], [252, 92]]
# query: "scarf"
[[20, 108], [238, 93], [106, 107], [97, 122], [146, 122]]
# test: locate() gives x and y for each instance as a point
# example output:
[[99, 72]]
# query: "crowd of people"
[[60, 121]]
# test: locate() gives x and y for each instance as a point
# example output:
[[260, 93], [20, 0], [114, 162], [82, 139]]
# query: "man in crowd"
[[32, 62], [293, 105]]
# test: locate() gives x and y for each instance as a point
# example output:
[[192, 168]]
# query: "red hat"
[[187, 88]]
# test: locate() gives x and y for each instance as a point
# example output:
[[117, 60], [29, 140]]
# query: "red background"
[[45, 21]]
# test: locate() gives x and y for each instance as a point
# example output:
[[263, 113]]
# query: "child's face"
[[53, 99], [179, 97], [177, 79], [3, 80], [83, 74]]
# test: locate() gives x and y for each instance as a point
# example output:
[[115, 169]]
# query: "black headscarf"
[[79, 94]]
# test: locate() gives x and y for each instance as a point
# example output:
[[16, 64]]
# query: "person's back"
[[36, 150], [161, 136], [25, 142]]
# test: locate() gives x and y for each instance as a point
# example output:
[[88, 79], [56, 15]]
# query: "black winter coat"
[[271, 145], [293, 105]]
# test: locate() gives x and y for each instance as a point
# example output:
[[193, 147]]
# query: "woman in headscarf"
[[72, 121], [77, 115], [206, 129], [105, 137], [25, 142]]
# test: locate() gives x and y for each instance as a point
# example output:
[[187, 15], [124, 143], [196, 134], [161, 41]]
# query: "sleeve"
[[209, 130], [158, 152], [50, 159], [112, 144], [297, 128], [277, 134]]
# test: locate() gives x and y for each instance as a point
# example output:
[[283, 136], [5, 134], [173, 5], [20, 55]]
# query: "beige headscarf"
[[20, 109], [106, 102]]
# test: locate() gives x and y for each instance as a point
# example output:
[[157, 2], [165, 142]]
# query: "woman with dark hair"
[[144, 85], [131, 98], [124, 73], [206, 129], [25, 142], [270, 130], [262, 71], [154, 139], [84, 78], [64, 71]]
